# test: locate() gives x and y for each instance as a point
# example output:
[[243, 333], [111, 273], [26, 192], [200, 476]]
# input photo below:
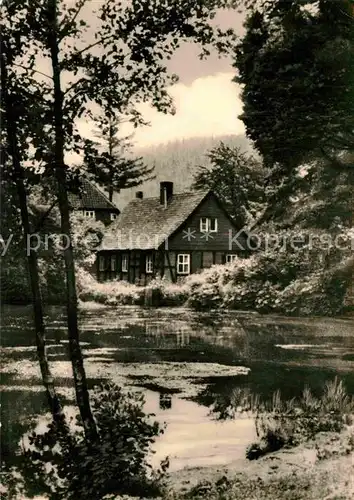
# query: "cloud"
[[209, 106]]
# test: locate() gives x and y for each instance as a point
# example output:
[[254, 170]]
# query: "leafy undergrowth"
[[296, 283], [281, 283], [61, 464]]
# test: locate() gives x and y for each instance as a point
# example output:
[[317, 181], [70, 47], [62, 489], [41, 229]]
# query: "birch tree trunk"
[[12, 137], [81, 388]]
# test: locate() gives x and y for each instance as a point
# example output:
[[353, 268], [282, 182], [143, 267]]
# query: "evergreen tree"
[[110, 162], [296, 66]]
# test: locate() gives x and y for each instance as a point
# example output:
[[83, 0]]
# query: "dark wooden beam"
[[130, 254], [174, 278], [162, 263]]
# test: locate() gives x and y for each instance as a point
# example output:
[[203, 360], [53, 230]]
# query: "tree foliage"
[[109, 161], [65, 467], [236, 178], [296, 66]]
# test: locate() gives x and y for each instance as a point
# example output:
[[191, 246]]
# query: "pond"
[[188, 365]]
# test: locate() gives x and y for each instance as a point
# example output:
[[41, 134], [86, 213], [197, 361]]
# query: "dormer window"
[[208, 225], [213, 225]]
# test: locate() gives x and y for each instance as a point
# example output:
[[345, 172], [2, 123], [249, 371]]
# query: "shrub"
[[287, 423], [112, 293], [14, 289], [167, 293], [65, 466], [293, 282], [205, 289]]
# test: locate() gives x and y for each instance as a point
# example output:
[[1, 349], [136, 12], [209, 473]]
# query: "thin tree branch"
[[34, 70], [94, 44], [43, 217], [75, 84]]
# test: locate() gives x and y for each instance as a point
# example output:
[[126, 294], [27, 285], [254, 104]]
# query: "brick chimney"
[[139, 195], [166, 192]]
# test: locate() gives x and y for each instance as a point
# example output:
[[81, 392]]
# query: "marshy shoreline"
[[322, 468], [298, 473]]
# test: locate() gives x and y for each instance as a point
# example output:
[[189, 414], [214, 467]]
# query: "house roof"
[[90, 198], [145, 224]]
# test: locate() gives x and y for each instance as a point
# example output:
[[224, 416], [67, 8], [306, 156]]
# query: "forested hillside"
[[177, 161]]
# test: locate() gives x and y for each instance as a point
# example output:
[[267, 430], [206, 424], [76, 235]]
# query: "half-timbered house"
[[92, 203], [172, 235]]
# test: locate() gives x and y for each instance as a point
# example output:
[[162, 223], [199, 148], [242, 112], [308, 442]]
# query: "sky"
[[206, 100], [206, 106]]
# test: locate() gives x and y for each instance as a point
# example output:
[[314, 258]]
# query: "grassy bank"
[[320, 469], [311, 459], [305, 451]]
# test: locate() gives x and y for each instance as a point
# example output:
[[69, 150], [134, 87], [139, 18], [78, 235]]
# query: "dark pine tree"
[[110, 162]]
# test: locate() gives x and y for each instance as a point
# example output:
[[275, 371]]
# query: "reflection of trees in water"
[[243, 338], [183, 334], [228, 397], [165, 401], [241, 401]]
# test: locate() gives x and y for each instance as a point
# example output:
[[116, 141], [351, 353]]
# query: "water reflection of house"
[[182, 337], [227, 335], [165, 401], [163, 333]]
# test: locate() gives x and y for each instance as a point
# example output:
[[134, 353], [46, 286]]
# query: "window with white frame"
[[124, 263], [113, 263], [90, 214], [101, 263], [113, 216], [204, 224], [208, 225], [183, 263], [213, 225], [148, 264], [230, 258]]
